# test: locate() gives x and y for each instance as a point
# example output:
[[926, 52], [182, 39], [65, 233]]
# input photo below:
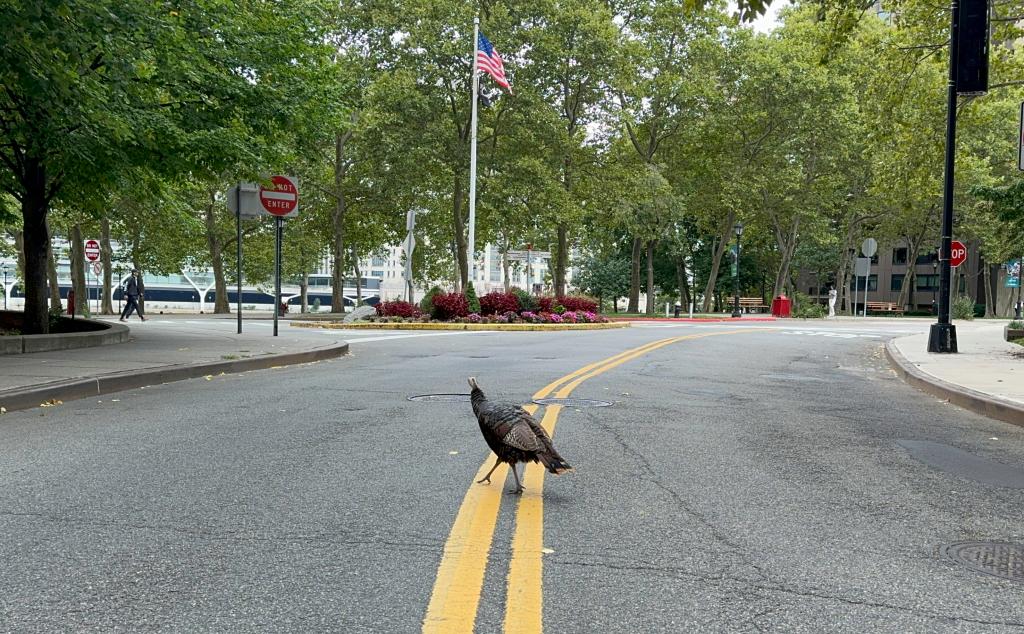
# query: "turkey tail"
[[554, 463]]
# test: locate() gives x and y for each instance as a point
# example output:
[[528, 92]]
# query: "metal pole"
[[1020, 265], [5, 288], [238, 264], [279, 221], [942, 336], [856, 289], [736, 281], [470, 260]]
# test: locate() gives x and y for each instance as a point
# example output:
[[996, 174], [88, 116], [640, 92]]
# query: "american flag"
[[487, 59]]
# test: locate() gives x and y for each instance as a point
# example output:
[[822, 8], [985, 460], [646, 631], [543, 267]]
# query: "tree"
[[92, 88]]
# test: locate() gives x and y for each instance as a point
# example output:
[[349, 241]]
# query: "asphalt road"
[[745, 479]]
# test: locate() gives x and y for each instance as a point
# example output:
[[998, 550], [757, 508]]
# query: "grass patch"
[[229, 357]]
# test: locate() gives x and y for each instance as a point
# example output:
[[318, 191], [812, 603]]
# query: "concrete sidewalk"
[[163, 349], [986, 375]]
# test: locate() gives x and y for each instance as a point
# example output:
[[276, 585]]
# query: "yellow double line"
[[460, 576]]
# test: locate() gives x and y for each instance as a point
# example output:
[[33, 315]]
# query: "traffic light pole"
[[942, 336]]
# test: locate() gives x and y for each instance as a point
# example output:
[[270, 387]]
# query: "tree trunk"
[[51, 273], [989, 298], [682, 283], [716, 262], [136, 265], [651, 295], [787, 246], [77, 258], [36, 249], [505, 269], [107, 257], [359, 277], [561, 260], [459, 229], [216, 246], [338, 267], [634, 280], [304, 293]]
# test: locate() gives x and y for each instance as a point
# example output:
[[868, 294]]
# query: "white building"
[[389, 267]]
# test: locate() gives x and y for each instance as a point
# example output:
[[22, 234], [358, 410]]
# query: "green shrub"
[[316, 305], [806, 308], [472, 299], [1016, 325], [427, 303], [526, 301], [55, 314], [963, 308]]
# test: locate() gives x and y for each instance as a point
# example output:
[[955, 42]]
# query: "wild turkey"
[[514, 436]]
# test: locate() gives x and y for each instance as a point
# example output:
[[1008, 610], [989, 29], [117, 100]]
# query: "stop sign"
[[957, 253], [92, 250], [281, 198]]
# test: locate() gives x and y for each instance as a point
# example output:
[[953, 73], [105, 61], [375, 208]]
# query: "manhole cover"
[[998, 559], [572, 402], [461, 398]]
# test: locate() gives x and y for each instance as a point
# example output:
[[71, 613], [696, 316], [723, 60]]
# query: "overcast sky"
[[769, 20]]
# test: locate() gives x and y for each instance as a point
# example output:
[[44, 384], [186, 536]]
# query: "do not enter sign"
[[957, 253], [281, 197], [92, 250]]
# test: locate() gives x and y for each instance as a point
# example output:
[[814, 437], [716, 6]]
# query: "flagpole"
[[470, 260]]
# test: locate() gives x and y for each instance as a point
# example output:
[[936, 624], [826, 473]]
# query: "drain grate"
[[572, 402], [453, 398], [998, 559]]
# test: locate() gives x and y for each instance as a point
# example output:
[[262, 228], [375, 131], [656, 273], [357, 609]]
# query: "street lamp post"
[[935, 268], [4, 267], [738, 228]]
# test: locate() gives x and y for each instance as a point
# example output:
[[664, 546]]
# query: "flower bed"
[[514, 307]]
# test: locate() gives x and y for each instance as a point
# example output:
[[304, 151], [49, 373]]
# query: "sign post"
[[92, 254], [281, 200], [869, 247]]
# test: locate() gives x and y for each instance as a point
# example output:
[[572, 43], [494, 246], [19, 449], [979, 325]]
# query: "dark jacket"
[[133, 286]]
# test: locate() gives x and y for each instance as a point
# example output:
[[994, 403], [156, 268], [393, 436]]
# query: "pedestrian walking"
[[133, 290]]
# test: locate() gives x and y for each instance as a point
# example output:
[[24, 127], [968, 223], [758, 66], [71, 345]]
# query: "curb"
[[106, 334], [493, 327], [977, 402], [72, 389], [695, 320]]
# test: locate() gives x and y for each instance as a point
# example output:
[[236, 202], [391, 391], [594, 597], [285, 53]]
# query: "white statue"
[[832, 295]]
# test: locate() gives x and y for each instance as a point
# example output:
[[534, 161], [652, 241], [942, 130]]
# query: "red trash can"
[[781, 306]]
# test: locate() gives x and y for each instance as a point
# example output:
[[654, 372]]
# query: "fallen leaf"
[[3, 410], [209, 377]]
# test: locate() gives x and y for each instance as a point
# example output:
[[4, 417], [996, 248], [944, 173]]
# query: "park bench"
[[752, 303], [884, 307]]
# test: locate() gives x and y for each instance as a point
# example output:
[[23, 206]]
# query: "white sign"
[[869, 247], [243, 200], [862, 267], [92, 250], [97, 268]]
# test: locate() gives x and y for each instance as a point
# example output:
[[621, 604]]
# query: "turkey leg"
[[487, 478], [519, 487]]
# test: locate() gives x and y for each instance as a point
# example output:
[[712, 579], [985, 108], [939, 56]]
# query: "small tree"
[[472, 299]]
